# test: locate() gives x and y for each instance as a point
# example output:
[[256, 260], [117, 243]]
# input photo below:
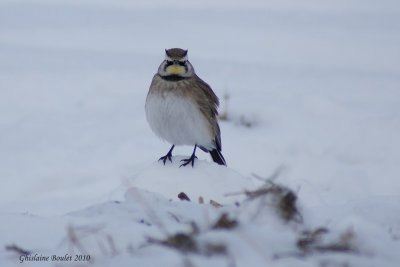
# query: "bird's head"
[[176, 64]]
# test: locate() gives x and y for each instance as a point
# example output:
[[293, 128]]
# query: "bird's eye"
[[182, 63], [169, 63]]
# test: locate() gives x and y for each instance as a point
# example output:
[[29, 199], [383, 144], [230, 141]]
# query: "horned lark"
[[182, 109]]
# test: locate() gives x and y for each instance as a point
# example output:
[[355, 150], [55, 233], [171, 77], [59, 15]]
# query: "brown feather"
[[198, 91], [176, 53]]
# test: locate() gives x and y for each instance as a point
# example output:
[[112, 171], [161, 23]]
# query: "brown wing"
[[208, 103]]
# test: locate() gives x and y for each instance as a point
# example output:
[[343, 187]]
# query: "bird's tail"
[[217, 157]]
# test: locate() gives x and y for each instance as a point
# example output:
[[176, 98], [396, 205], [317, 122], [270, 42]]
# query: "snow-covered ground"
[[311, 92]]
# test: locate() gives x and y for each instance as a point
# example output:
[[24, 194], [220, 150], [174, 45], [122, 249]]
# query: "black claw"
[[164, 159], [168, 156], [189, 160]]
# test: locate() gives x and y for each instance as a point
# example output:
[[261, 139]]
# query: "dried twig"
[[312, 241], [180, 241], [18, 250], [224, 222], [215, 204], [74, 240], [201, 200], [183, 196]]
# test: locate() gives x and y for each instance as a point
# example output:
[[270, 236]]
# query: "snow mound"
[[206, 179], [147, 229]]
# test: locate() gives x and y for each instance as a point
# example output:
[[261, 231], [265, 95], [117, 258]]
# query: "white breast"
[[177, 120]]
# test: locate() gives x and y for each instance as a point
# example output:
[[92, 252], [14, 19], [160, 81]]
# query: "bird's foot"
[[166, 157], [189, 160]]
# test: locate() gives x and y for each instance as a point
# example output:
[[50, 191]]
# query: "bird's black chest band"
[[173, 78]]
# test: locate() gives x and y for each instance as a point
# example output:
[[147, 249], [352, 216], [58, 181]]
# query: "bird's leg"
[[191, 159], [168, 156]]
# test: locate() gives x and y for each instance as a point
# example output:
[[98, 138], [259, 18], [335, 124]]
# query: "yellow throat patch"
[[175, 70]]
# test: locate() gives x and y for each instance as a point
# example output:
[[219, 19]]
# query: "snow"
[[171, 179], [312, 102]]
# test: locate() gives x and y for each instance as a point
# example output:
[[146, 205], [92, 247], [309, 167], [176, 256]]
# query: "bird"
[[182, 109]]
